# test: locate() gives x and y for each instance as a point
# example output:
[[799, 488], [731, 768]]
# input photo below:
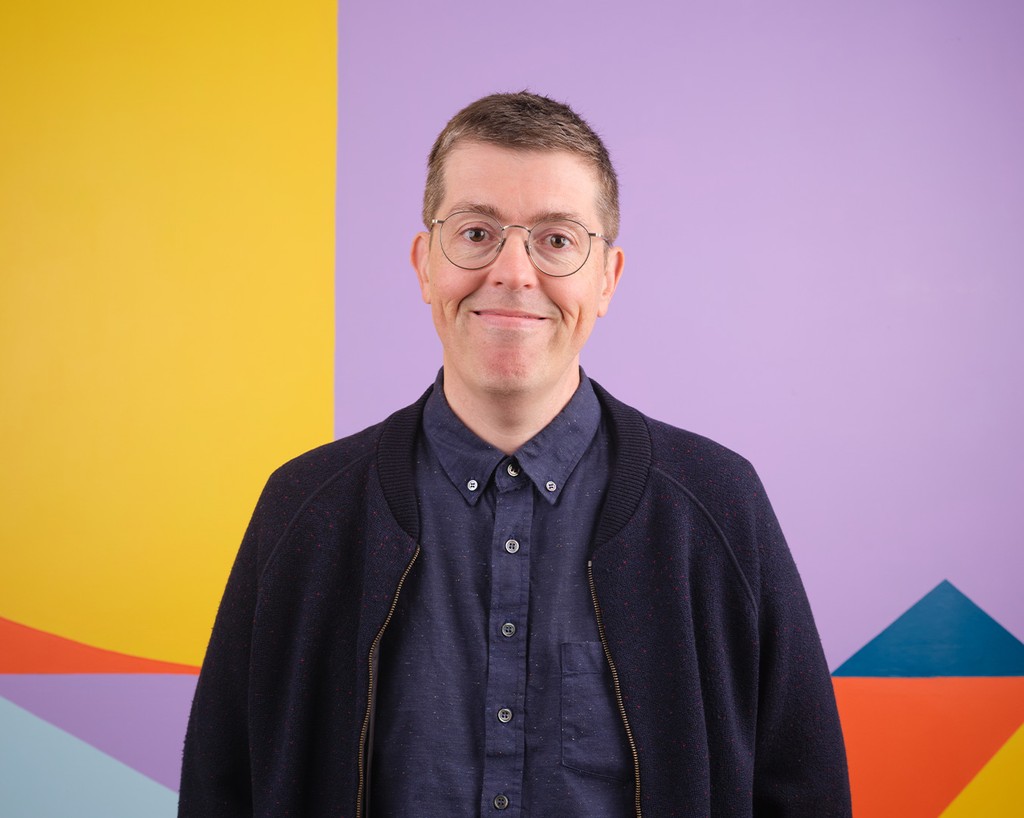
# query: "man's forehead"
[[511, 184], [474, 150]]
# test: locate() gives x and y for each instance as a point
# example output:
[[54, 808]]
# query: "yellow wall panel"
[[166, 300]]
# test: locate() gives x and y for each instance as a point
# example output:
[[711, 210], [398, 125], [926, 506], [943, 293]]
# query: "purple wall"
[[823, 217]]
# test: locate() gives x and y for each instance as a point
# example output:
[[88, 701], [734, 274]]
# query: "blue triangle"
[[944, 634]]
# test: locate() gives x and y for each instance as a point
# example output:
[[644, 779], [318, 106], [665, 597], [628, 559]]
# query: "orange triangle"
[[27, 650], [914, 744]]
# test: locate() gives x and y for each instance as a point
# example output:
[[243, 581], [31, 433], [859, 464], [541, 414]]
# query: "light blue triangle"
[[944, 634], [47, 773]]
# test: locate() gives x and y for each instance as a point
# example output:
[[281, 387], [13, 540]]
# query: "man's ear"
[[615, 260], [420, 257]]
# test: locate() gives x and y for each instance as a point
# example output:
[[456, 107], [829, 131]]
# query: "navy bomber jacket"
[[722, 686]]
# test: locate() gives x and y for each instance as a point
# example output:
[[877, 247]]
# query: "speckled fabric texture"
[[448, 667], [724, 685]]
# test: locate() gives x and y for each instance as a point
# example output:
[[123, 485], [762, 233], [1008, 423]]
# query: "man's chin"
[[508, 380], [506, 370]]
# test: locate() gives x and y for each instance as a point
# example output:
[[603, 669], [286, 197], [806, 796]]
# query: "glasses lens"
[[560, 247], [470, 240]]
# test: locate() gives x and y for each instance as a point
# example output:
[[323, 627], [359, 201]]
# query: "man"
[[518, 596]]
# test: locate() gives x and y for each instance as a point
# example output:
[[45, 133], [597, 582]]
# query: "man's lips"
[[500, 313], [509, 319]]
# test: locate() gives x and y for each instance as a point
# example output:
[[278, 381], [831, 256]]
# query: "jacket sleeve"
[[800, 766], [215, 774]]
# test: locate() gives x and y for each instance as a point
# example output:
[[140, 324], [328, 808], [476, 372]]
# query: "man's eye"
[[558, 241], [475, 234]]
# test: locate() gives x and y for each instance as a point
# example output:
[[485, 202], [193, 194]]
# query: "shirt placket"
[[505, 736]]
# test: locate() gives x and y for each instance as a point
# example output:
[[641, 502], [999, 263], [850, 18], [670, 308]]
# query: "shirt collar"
[[468, 461], [548, 458]]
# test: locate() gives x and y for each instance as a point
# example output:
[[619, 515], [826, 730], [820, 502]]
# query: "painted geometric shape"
[[139, 719], [998, 789], [146, 224], [944, 634], [914, 744], [47, 772], [27, 650]]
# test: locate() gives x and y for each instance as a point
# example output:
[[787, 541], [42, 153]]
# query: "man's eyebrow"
[[476, 207], [557, 215], [535, 218]]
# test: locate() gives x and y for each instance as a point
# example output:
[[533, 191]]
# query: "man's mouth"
[[509, 315], [509, 320]]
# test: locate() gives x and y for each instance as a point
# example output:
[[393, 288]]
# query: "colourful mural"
[[932, 710], [933, 713], [821, 217], [166, 291], [118, 719], [166, 322]]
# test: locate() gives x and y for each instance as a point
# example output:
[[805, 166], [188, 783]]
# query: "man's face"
[[508, 328]]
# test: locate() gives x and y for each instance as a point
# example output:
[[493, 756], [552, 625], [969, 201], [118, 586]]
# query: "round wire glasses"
[[557, 247]]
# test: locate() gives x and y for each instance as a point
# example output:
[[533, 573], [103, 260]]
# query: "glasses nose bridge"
[[526, 240]]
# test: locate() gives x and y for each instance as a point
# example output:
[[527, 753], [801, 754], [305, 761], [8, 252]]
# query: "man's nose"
[[513, 267]]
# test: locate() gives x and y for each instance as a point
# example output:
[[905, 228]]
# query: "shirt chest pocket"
[[593, 736]]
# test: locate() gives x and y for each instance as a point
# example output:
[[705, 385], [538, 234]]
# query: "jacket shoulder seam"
[[275, 548], [719, 531]]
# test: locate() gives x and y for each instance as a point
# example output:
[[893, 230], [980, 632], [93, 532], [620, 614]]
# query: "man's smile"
[[509, 319]]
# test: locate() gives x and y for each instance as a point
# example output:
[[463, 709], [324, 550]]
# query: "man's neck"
[[507, 419]]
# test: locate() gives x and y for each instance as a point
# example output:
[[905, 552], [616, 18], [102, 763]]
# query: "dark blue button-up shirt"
[[494, 694]]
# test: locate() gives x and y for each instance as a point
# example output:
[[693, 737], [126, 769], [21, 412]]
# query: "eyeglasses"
[[558, 247]]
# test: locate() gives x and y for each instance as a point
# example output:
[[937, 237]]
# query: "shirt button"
[[513, 469], [512, 546], [508, 629], [500, 802], [504, 715], [550, 485], [472, 485]]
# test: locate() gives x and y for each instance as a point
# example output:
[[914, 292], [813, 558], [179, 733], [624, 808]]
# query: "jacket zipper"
[[365, 732], [615, 684]]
